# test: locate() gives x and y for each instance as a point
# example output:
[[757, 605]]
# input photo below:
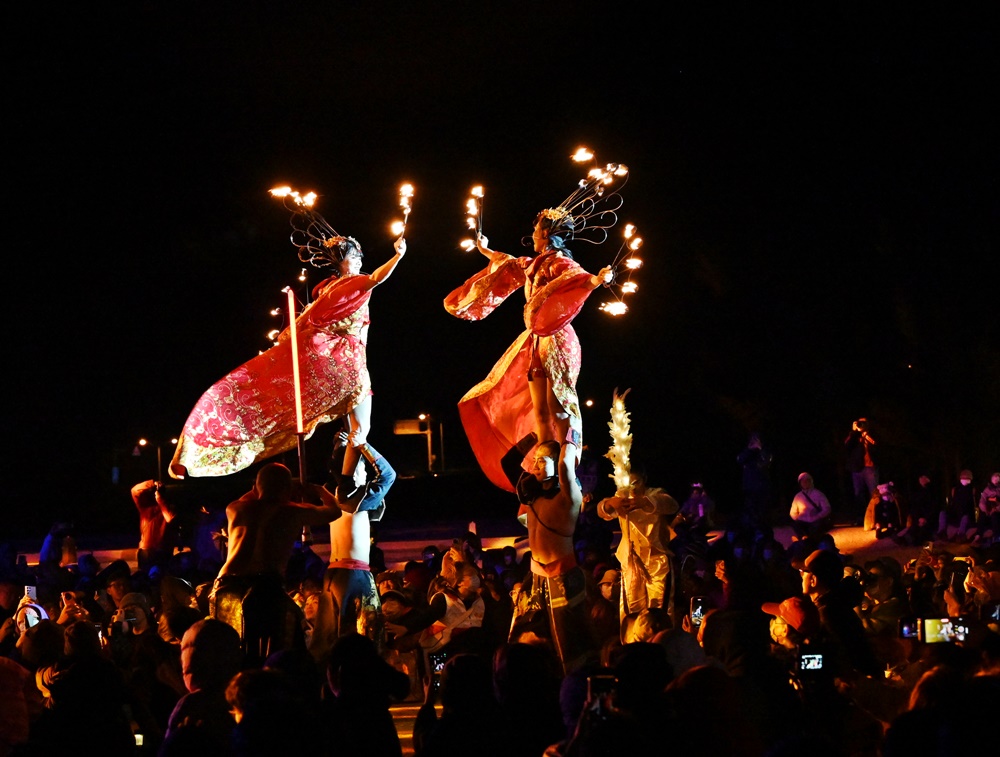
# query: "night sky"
[[816, 188]]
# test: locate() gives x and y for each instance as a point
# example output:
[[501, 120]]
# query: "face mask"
[[966, 481]]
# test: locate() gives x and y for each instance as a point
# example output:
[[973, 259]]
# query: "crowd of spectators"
[[794, 648]]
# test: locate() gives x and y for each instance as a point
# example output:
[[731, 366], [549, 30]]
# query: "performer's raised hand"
[[400, 246], [482, 242], [604, 276]]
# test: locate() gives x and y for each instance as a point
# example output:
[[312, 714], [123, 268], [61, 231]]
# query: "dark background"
[[816, 188]]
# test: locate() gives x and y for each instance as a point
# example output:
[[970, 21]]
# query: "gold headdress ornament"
[[317, 241], [592, 208]]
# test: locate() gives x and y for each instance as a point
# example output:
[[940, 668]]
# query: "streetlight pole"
[[159, 455]]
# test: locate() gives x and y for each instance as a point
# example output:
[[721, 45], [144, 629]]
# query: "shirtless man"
[[551, 500], [349, 584], [264, 525]]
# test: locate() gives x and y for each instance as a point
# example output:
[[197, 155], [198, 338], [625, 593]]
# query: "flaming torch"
[[625, 262], [473, 217], [405, 202]]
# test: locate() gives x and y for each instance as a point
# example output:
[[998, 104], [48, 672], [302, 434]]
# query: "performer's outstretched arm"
[[385, 270]]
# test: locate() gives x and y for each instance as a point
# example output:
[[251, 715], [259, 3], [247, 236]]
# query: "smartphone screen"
[[938, 630], [909, 628], [697, 611], [600, 685], [810, 662], [31, 592]]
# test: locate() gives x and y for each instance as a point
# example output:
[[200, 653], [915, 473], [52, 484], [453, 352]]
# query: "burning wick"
[[474, 217], [405, 196]]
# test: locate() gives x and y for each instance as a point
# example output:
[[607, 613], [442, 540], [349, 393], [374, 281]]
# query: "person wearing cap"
[[957, 520], [810, 511], [610, 581], [823, 582], [885, 600], [861, 463], [795, 621], [644, 514]]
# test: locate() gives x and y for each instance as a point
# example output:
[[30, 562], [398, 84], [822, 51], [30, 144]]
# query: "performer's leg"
[[359, 422], [538, 386], [560, 420]]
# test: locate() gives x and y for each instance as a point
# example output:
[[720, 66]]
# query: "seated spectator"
[[883, 515], [810, 512]]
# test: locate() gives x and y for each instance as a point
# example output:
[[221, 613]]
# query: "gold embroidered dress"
[[249, 414], [497, 412]]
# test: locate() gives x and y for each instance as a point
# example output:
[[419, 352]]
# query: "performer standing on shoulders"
[[533, 386], [250, 413]]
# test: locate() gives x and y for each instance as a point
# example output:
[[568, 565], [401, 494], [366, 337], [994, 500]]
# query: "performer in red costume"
[[533, 386], [249, 414]]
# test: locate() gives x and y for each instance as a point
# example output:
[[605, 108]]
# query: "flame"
[[281, 191], [635, 244], [629, 287], [614, 308], [582, 155], [309, 199], [471, 208], [467, 244], [471, 223], [477, 191], [275, 311], [629, 230], [273, 334], [633, 264], [397, 228], [405, 195]]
